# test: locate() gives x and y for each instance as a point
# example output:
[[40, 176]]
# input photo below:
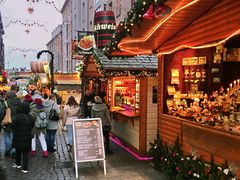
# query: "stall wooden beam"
[[143, 115]]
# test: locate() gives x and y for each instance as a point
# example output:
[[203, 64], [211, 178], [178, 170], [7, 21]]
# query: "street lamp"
[[50, 66]]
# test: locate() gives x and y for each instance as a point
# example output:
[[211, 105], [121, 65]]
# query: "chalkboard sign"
[[88, 141]]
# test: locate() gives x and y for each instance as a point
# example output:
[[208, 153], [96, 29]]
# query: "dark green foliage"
[[170, 159], [135, 16]]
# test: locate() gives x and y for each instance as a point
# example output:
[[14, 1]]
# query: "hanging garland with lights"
[[26, 23], [172, 161], [22, 50], [31, 2], [143, 9], [107, 74]]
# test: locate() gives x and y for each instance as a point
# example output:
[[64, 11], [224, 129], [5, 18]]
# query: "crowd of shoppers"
[[30, 115]]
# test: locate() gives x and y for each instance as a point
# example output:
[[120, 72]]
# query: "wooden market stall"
[[131, 87], [68, 84], [198, 83]]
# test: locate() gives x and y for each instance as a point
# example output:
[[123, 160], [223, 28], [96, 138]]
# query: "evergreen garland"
[[172, 161], [135, 16]]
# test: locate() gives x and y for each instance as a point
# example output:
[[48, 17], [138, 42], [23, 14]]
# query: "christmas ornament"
[[27, 31], [30, 10], [150, 13]]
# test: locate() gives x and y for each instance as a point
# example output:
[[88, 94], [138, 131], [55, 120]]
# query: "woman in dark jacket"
[[100, 110], [22, 127], [12, 102]]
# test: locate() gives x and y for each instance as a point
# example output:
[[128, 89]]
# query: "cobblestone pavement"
[[59, 165]]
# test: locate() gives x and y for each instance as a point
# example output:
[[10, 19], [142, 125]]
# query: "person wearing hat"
[[100, 110], [36, 95], [28, 99], [37, 110]]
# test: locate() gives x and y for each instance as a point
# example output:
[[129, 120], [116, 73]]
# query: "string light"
[[201, 46], [134, 16], [24, 50], [151, 31], [106, 73], [25, 22]]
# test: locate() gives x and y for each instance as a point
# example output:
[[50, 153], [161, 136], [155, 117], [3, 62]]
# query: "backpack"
[[2, 110], [41, 121], [53, 115]]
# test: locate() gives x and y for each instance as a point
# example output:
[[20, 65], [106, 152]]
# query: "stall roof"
[[146, 63], [152, 34], [214, 27]]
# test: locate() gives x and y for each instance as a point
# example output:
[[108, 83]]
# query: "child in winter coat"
[[38, 110]]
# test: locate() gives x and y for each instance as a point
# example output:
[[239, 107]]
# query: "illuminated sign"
[[99, 27]]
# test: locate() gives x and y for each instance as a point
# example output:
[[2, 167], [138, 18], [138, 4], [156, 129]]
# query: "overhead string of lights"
[[26, 22], [22, 50], [2, 1], [31, 2]]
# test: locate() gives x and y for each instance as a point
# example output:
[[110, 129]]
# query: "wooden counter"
[[201, 139], [125, 116]]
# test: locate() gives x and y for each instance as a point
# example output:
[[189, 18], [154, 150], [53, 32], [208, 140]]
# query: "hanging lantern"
[[150, 13]]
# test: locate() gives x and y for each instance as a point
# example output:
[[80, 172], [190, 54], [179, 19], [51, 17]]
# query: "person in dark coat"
[[12, 101], [58, 98], [22, 124], [100, 110], [87, 102]]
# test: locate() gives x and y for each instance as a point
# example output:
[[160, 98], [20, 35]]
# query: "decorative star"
[[30, 10], [27, 31]]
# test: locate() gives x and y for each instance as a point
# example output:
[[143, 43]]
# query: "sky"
[[16, 38]]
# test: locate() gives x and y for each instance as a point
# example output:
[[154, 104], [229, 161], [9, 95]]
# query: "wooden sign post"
[[88, 142]]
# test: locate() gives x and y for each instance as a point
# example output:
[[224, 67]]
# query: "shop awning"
[[68, 82], [137, 64], [217, 25], [67, 79], [190, 23]]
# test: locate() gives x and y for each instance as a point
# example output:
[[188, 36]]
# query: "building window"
[[118, 8], [66, 50], [110, 6], [132, 3], [105, 7], [98, 9]]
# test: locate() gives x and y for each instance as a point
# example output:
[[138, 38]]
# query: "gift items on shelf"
[[221, 109]]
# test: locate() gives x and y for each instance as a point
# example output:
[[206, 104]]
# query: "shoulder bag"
[[7, 118], [53, 115]]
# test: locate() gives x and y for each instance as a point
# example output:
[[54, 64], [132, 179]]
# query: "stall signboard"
[[88, 141], [83, 45]]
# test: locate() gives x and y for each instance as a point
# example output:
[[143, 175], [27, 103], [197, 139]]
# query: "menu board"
[[88, 140]]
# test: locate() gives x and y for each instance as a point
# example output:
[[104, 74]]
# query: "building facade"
[[2, 58], [78, 15], [55, 46]]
